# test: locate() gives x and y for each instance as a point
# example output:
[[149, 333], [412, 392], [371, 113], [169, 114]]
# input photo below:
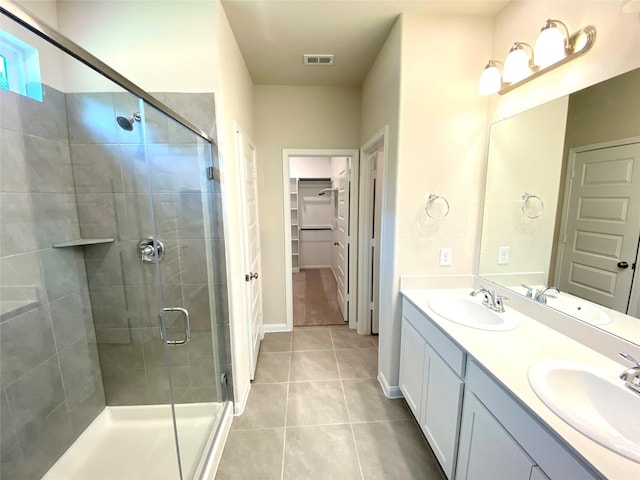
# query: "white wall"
[[310, 167], [440, 149], [181, 46], [525, 155], [293, 117]]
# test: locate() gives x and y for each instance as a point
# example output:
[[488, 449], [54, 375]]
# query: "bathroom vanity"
[[468, 385]]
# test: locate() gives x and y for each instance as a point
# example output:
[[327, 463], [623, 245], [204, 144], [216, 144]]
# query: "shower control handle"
[[150, 250]]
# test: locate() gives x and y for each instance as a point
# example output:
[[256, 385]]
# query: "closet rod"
[[316, 228]]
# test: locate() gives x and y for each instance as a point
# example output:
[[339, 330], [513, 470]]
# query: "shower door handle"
[[187, 326]]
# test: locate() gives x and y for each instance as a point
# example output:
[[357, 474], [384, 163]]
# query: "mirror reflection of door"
[[602, 225]]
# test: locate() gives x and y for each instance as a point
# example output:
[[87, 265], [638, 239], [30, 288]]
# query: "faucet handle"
[[529, 293], [629, 358]]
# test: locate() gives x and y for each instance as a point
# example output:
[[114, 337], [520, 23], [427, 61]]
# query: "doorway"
[[320, 236]]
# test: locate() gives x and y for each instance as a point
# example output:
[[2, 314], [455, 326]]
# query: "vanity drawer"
[[440, 342]]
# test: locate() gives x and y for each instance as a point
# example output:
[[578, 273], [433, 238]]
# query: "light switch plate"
[[445, 257], [503, 255]]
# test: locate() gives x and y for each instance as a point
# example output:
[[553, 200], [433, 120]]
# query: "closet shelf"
[[82, 242]]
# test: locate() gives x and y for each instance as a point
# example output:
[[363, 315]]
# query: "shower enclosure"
[[114, 330]]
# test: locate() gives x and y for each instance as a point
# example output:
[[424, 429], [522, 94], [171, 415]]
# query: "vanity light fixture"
[[518, 64], [553, 48]]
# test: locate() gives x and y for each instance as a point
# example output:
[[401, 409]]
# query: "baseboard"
[[215, 452], [239, 406], [389, 391], [275, 327], [310, 267]]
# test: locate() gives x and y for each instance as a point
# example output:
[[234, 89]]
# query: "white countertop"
[[507, 355]]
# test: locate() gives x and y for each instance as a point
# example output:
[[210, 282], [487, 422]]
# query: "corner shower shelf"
[[83, 242]]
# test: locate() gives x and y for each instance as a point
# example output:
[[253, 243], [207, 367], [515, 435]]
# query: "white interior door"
[[369, 252], [253, 277], [602, 225], [341, 242]]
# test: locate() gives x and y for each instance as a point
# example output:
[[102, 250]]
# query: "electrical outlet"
[[445, 257], [503, 255]]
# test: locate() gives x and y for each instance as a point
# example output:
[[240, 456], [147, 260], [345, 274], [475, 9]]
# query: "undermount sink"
[[470, 311], [579, 309], [594, 402]]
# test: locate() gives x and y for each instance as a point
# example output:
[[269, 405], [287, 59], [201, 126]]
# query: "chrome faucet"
[[631, 376], [541, 295], [491, 299]]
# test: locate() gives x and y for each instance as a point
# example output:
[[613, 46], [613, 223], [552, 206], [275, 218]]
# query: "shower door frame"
[[215, 440]]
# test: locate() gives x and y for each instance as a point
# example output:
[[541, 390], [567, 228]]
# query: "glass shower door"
[[187, 221]]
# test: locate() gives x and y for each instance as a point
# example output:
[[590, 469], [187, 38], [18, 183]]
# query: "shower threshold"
[[137, 443]]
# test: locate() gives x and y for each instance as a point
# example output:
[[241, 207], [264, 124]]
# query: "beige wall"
[[380, 108], [441, 148], [293, 117]]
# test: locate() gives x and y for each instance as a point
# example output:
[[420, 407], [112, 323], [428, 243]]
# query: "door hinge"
[[210, 173], [223, 379]]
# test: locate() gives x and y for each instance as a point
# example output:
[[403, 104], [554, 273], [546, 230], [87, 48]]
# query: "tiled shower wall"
[[50, 375], [68, 172], [115, 204]]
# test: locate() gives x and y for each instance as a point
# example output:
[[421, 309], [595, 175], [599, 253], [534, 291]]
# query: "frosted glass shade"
[[516, 65], [550, 46], [490, 81]]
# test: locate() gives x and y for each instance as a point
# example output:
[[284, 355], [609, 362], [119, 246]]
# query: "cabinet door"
[[486, 450], [442, 400], [412, 366]]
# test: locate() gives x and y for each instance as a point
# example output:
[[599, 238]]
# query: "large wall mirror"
[[562, 205]]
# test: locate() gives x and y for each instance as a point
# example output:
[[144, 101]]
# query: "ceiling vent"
[[312, 59]]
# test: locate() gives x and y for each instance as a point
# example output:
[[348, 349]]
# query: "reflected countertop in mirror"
[[562, 204]]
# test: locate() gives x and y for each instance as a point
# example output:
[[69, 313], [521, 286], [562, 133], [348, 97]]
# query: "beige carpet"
[[315, 298]]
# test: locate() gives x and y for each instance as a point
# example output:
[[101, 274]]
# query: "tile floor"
[[316, 411]]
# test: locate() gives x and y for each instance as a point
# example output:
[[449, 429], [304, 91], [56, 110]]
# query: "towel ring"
[[433, 197], [525, 201]]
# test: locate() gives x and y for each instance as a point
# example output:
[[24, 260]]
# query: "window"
[[19, 67]]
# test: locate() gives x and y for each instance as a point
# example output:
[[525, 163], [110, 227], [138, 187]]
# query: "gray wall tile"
[[198, 108], [43, 444], [102, 215], [35, 395], [196, 301], [115, 356], [46, 119], [114, 306], [25, 342], [13, 167], [76, 366], [96, 168], [60, 271], [56, 218], [17, 233], [17, 271], [92, 118], [10, 111], [69, 319], [85, 403], [49, 165], [125, 386], [110, 264]]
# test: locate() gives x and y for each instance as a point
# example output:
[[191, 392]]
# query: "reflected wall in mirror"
[[562, 204]]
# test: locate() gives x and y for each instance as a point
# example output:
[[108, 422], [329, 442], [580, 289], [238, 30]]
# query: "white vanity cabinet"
[[431, 367], [486, 449], [475, 426]]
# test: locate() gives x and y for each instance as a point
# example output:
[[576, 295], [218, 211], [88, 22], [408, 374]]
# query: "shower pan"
[[114, 331]]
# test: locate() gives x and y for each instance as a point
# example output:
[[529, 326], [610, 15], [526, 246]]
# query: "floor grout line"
[[286, 408], [346, 405]]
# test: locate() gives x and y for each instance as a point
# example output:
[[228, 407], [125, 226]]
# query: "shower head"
[[126, 123]]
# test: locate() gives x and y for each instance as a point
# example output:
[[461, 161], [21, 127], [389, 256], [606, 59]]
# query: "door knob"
[[336, 243], [623, 265], [250, 276]]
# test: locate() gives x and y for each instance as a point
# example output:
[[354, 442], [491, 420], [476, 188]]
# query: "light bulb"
[[550, 46], [490, 81], [516, 65]]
